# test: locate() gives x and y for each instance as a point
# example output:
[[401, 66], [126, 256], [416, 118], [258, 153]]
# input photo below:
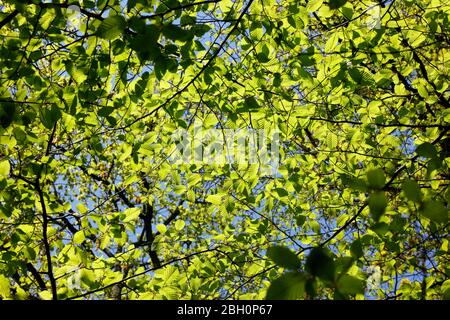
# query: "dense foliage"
[[93, 206]]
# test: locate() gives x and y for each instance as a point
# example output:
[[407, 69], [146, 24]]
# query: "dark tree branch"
[[45, 240], [8, 18], [45, 219], [36, 276], [147, 218]]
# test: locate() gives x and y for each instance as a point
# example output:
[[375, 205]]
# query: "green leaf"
[[77, 74], [87, 277], [343, 264], [263, 55], [146, 44], [354, 183], [4, 168], [313, 5], [4, 287], [377, 205], [350, 285], [194, 178], [283, 257], [176, 33], [355, 74], [336, 4], [412, 190], [315, 226], [250, 105], [131, 179], [179, 225], [131, 4], [7, 113], [131, 214], [300, 220], [30, 253], [320, 264], [105, 111], [200, 29], [179, 189], [126, 152], [445, 289], [50, 116], [356, 249], [422, 90], [376, 178], [161, 228], [81, 208], [215, 198], [347, 12], [426, 150], [435, 211], [111, 27], [290, 286], [380, 228], [281, 192], [45, 295], [79, 237]]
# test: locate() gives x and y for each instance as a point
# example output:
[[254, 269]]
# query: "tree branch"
[[45, 219], [8, 19], [36, 276], [66, 5], [45, 240], [186, 257]]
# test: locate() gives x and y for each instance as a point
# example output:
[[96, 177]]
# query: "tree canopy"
[[355, 205]]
